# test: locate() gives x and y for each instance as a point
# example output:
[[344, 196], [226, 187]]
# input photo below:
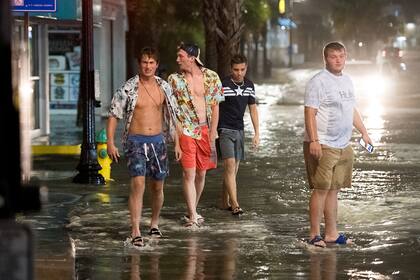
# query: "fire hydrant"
[[103, 159]]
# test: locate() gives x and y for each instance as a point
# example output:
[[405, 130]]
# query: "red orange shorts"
[[197, 153]]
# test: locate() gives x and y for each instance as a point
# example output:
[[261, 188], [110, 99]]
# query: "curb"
[[56, 150]]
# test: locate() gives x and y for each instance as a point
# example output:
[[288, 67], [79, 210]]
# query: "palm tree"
[[209, 10], [223, 26]]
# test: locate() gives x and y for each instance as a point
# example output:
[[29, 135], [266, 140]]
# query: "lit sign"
[[34, 5]]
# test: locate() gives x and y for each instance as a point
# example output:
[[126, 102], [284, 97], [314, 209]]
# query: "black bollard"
[[88, 166]]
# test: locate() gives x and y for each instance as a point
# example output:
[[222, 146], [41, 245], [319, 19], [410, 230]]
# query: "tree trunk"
[[255, 66], [210, 9], [266, 62], [229, 30]]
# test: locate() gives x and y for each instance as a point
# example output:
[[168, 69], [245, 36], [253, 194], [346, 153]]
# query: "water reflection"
[[229, 259], [197, 260], [373, 119], [194, 268], [202, 263], [323, 265], [137, 267]]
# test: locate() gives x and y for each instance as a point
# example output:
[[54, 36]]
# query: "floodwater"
[[381, 212]]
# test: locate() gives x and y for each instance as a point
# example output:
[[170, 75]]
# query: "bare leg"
[[230, 169], [135, 204], [225, 197], [157, 202], [200, 180], [330, 214], [190, 194], [316, 209]]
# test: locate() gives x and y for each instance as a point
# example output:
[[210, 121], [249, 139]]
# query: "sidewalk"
[[54, 256]]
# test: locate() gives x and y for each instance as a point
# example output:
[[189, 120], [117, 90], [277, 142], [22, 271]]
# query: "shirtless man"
[[198, 91], [148, 106]]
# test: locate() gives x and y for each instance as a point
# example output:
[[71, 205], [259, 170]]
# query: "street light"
[[291, 34], [291, 25], [88, 165], [286, 20]]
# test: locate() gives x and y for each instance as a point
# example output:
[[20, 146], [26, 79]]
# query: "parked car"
[[390, 61]]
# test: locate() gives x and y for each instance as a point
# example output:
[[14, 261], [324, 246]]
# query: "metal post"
[[291, 34], [88, 165], [26, 104]]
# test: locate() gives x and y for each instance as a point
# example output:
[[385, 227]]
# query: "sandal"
[[137, 241], [237, 211], [155, 232], [191, 224], [200, 219], [341, 240], [316, 241]]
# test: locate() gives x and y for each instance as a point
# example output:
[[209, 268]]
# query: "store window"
[[64, 67]]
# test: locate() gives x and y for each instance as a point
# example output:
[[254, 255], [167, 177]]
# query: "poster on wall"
[[34, 5]]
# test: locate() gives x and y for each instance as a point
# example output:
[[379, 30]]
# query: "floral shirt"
[[125, 100], [187, 114]]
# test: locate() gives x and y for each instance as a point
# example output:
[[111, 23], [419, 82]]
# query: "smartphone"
[[365, 145]]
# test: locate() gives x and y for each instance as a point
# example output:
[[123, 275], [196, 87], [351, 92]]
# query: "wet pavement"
[[380, 212]]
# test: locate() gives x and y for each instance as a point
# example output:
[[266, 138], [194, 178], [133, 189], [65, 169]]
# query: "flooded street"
[[380, 212]]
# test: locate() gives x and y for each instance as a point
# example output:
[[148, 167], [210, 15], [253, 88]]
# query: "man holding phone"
[[330, 114]]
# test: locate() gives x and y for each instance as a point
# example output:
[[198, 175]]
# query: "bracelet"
[[316, 140]]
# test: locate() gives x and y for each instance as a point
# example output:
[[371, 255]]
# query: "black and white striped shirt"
[[237, 97]]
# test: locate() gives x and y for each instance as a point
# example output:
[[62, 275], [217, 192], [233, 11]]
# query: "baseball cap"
[[192, 50]]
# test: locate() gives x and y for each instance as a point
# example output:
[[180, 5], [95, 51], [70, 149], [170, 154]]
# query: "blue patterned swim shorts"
[[147, 156]]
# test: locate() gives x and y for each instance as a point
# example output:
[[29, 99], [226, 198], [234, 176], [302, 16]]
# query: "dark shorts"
[[231, 143], [147, 156]]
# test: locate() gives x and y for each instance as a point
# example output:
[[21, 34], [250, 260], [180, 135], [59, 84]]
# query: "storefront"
[[55, 54]]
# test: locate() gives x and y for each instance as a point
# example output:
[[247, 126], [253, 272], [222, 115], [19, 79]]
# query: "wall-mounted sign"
[[34, 5]]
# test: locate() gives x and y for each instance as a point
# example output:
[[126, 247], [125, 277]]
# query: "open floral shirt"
[[187, 114], [125, 100]]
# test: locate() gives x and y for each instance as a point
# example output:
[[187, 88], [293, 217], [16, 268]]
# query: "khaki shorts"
[[333, 171]]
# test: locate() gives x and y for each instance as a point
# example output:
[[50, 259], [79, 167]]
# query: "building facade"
[[53, 54]]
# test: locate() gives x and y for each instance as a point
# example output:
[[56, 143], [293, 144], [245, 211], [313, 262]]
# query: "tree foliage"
[[255, 14], [162, 24], [215, 25]]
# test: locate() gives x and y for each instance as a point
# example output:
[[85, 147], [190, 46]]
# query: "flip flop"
[[341, 240], [155, 232], [137, 241], [315, 240], [237, 211], [200, 219], [191, 224]]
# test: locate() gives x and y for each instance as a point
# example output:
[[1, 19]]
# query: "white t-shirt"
[[333, 97]]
